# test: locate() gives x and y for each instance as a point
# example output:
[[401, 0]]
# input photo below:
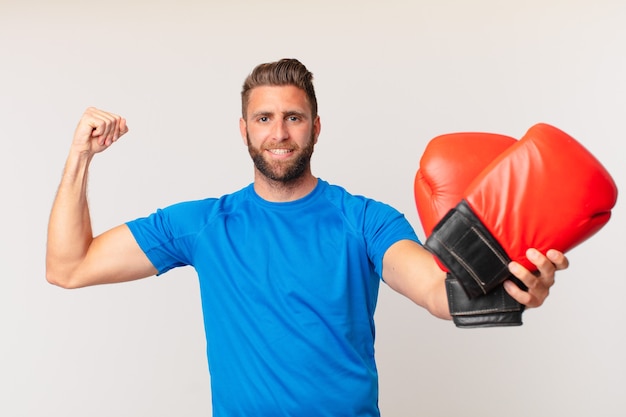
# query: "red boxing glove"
[[447, 166], [546, 191]]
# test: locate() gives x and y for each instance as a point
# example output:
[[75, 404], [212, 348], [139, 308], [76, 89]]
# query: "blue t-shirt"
[[288, 295]]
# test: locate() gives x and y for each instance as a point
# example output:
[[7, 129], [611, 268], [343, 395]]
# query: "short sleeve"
[[383, 227]]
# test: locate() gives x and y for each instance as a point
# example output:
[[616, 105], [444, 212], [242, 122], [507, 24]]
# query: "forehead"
[[278, 98]]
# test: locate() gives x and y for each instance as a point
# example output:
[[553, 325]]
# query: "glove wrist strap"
[[496, 309], [469, 251]]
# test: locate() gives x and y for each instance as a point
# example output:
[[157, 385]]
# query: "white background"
[[390, 75]]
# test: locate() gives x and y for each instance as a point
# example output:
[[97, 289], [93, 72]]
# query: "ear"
[[243, 128], [317, 128]]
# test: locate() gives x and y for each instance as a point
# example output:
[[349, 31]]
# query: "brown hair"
[[283, 72]]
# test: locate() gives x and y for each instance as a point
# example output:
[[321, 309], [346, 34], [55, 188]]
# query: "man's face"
[[280, 132]]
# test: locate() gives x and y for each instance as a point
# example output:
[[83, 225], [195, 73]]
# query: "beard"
[[283, 171]]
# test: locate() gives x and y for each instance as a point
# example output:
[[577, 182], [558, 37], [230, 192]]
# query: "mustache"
[[284, 173]]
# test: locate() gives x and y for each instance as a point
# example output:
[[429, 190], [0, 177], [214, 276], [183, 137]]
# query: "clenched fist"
[[97, 130]]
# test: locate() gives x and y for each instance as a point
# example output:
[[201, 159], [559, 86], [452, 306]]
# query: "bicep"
[[114, 256]]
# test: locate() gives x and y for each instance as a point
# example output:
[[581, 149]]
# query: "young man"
[[289, 266]]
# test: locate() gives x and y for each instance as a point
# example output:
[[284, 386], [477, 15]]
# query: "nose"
[[280, 131]]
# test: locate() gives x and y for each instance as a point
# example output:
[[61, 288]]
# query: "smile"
[[280, 151]]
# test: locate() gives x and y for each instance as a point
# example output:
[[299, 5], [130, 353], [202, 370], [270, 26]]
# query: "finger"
[[527, 278], [90, 119], [545, 267], [100, 131], [120, 128], [91, 127], [110, 127], [97, 121], [558, 259], [107, 126], [519, 295], [537, 289], [123, 127]]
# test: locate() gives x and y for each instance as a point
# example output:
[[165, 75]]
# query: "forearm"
[[412, 271], [437, 303], [69, 227], [430, 293]]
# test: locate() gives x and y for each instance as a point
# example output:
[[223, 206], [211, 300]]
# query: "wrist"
[[76, 165]]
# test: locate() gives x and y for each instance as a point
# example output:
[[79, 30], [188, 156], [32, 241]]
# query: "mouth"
[[280, 151]]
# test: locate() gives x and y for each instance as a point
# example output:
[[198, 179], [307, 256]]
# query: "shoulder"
[[187, 216], [354, 202], [208, 206]]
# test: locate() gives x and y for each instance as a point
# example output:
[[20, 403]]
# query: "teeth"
[[280, 151]]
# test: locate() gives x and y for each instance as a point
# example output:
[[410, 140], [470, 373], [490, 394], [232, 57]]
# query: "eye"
[[263, 119], [293, 118]]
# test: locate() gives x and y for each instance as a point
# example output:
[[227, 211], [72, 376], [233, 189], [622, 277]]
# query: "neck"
[[282, 192]]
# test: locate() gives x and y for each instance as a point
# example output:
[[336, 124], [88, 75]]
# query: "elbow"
[[441, 312], [60, 279], [57, 280]]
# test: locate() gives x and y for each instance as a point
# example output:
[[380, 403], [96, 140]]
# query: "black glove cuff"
[[496, 309], [469, 251]]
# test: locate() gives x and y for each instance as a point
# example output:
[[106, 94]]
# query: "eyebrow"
[[302, 115], [284, 114]]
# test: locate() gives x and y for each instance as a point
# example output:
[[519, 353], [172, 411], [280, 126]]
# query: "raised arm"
[[74, 258]]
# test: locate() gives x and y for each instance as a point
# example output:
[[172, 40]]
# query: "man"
[[289, 266]]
